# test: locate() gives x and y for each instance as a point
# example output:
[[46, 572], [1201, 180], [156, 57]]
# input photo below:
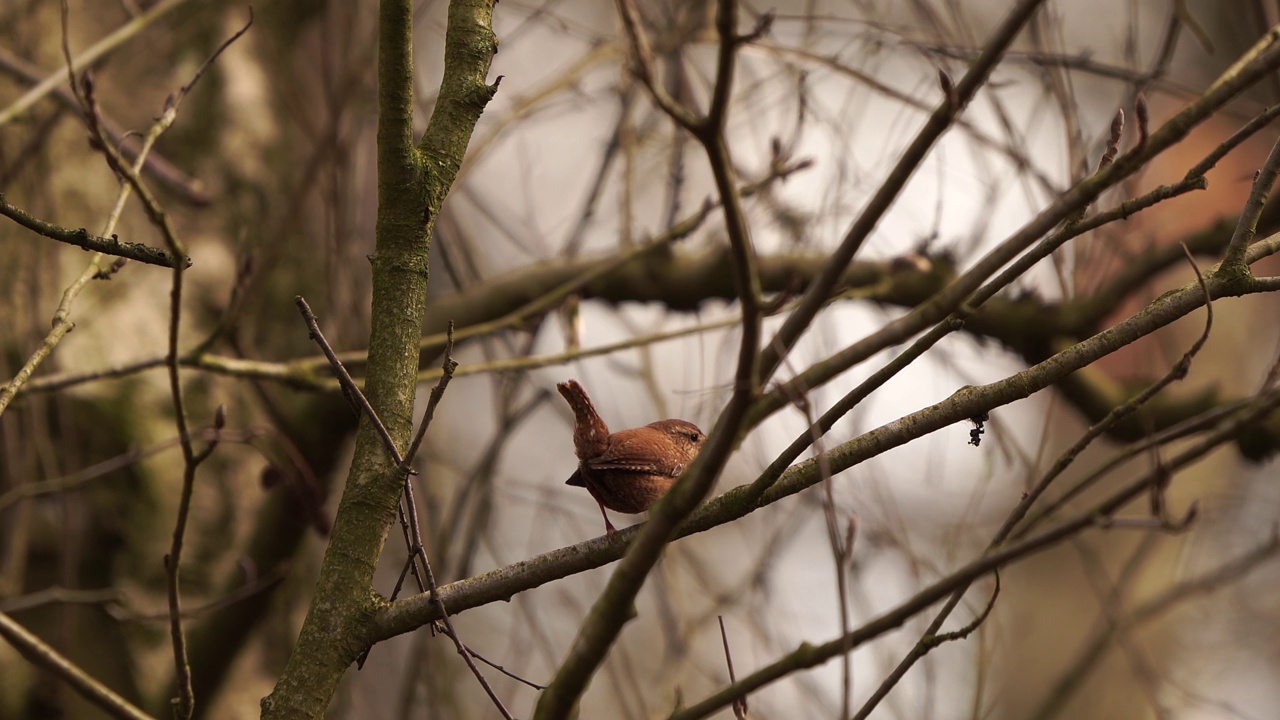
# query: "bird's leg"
[[609, 529]]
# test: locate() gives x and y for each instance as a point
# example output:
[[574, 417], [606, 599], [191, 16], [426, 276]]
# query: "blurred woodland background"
[[583, 238]]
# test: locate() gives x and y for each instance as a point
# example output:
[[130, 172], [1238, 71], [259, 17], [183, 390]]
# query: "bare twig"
[[504, 671], [82, 238], [609, 613], [646, 69], [84, 476], [1234, 261], [349, 387], [811, 656], [60, 595], [51, 660], [413, 533], [815, 297], [1247, 131], [449, 629], [306, 373], [841, 544], [187, 188], [967, 630], [739, 704], [1174, 596], [1177, 372], [416, 548], [502, 583], [447, 368], [125, 33], [184, 705]]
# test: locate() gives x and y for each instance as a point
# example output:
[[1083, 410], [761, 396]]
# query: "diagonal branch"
[[35, 650], [85, 240], [1248, 224], [612, 610], [504, 582], [123, 34], [819, 290], [1267, 58]]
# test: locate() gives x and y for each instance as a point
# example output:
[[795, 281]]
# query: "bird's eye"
[[694, 437]]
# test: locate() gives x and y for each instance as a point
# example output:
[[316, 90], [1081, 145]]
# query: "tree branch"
[[51, 660], [82, 238], [412, 184], [503, 583]]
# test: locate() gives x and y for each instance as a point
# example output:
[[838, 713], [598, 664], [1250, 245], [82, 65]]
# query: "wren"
[[629, 470]]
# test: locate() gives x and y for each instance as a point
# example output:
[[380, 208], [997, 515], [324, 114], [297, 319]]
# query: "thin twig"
[[182, 185], [82, 238], [60, 595], [409, 521], [349, 386], [447, 368], [41, 654], [840, 551], [811, 656], [84, 476], [126, 32], [1006, 531], [409, 507], [503, 583], [184, 705], [1171, 598], [1234, 261], [412, 510], [967, 630], [711, 133], [943, 117], [739, 704], [1248, 130], [449, 629], [609, 613], [504, 671], [646, 68], [249, 589]]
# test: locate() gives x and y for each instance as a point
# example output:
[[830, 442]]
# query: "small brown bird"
[[627, 471]]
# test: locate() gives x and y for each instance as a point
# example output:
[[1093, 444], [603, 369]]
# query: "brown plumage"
[[627, 471]]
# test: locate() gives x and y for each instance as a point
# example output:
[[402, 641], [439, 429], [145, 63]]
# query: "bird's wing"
[[629, 452]]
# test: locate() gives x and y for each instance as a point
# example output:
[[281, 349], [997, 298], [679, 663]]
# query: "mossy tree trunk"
[[413, 182]]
